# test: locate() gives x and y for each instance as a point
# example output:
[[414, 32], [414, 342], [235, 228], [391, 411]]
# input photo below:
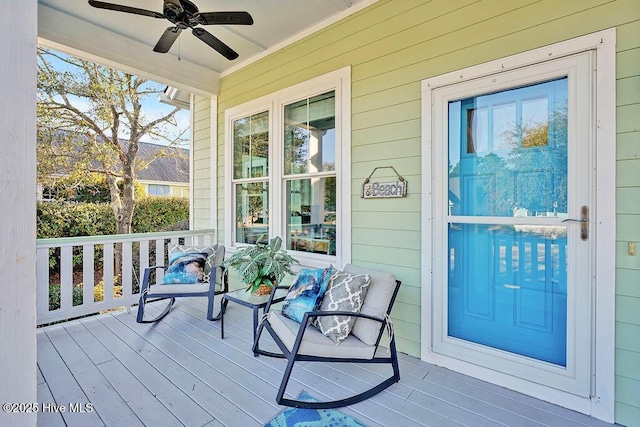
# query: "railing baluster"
[[174, 242], [107, 270], [144, 256], [159, 259], [88, 269], [66, 277], [42, 281], [127, 270]]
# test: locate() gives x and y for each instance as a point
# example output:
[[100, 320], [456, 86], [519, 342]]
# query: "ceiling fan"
[[184, 14]]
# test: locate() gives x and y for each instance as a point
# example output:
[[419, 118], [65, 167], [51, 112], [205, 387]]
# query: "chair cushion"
[[306, 292], [346, 292], [185, 268], [376, 303], [316, 344], [178, 289]]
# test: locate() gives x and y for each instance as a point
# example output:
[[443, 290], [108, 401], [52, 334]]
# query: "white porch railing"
[[62, 263]]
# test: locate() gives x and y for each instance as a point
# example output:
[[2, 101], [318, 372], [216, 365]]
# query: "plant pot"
[[262, 290]]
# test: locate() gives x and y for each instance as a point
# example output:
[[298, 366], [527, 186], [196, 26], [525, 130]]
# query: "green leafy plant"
[[262, 263]]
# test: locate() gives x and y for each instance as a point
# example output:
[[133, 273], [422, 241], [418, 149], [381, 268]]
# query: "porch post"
[[17, 209]]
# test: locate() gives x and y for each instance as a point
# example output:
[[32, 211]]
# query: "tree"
[[83, 111]]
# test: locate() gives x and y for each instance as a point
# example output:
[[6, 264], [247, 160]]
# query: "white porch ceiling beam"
[[69, 34]]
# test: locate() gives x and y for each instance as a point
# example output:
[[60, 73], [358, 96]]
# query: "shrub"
[[159, 214], [61, 219]]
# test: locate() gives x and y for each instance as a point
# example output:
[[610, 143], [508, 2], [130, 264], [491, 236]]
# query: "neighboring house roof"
[[173, 167]]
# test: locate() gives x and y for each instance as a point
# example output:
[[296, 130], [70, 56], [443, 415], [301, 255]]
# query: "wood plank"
[[40, 378], [93, 348], [48, 418], [107, 403], [62, 384], [174, 399], [213, 370], [148, 409], [179, 374]]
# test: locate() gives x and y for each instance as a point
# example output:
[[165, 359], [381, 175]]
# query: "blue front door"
[[507, 279]]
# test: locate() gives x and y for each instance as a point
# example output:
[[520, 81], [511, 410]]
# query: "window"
[[284, 170], [310, 174], [158, 190], [251, 177]]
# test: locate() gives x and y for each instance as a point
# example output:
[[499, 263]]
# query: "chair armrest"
[[272, 296], [311, 314], [340, 313], [146, 275]]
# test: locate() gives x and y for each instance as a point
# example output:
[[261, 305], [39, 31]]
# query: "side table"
[[247, 299]]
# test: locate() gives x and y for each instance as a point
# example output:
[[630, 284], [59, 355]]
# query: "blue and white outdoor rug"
[[296, 417]]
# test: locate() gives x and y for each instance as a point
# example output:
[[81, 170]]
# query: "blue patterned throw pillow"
[[185, 268], [306, 293]]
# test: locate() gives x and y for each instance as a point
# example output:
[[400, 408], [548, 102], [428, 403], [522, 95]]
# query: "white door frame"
[[601, 403]]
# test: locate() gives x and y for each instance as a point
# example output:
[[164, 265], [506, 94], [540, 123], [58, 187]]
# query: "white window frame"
[[601, 403], [338, 81]]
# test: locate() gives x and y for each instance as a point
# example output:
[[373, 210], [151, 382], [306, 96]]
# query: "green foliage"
[[59, 219], [54, 296], [262, 263], [98, 294], [159, 213]]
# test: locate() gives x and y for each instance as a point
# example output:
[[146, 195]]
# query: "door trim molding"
[[601, 404]]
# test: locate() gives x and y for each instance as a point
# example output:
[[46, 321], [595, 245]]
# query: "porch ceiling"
[[126, 41]]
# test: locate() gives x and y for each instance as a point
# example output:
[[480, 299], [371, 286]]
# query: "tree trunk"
[[122, 207]]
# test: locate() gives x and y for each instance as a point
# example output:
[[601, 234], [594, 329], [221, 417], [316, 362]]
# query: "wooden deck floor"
[[179, 372]]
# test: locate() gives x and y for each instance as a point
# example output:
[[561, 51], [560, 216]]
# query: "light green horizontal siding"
[[627, 368], [628, 146], [201, 162], [392, 46]]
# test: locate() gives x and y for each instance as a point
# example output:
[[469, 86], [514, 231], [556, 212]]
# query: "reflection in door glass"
[[508, 152], [507, 288]]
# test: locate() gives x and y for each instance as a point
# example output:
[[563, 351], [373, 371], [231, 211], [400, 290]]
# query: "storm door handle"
[[584, 222]]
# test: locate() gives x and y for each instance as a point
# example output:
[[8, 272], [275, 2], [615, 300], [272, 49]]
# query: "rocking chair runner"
[[150, 293], [301, 342]]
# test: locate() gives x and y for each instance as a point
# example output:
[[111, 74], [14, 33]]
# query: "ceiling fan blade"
[[127, 9], [215, 43], [224, 18], [167, 39]]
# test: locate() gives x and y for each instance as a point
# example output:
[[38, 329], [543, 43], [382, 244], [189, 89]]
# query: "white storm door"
[[512, 242]]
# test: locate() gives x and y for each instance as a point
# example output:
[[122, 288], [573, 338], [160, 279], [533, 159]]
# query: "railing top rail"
[[118, 238]]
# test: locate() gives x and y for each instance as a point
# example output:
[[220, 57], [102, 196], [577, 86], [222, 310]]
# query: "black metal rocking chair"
[[300, 342], [217, 284]]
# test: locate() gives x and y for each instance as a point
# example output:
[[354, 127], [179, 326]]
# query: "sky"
[[151, 107]]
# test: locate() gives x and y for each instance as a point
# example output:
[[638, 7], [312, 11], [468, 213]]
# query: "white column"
[[17, 210], [317, 184]]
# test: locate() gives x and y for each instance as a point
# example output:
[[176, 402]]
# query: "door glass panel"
[[507, 284], [508, 152], [508, 288]]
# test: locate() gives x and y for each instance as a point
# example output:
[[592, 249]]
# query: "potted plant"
[[262, 266]]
